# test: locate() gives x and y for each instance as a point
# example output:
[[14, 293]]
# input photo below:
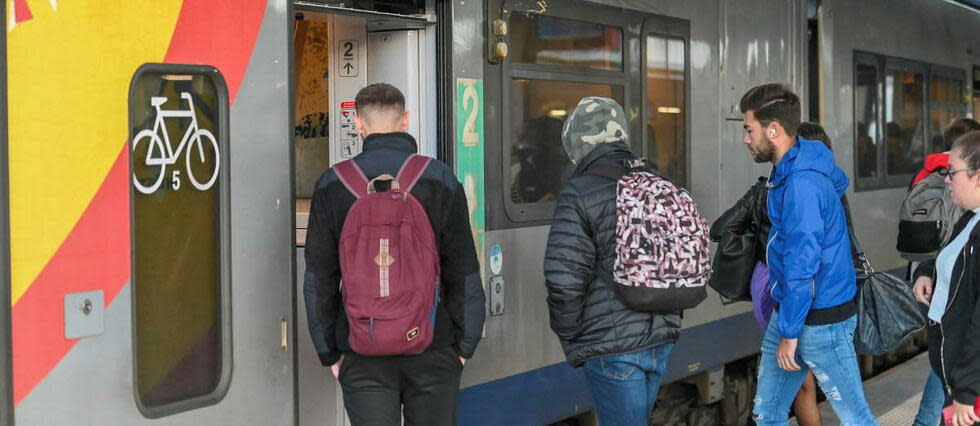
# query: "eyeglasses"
[[950, 173]]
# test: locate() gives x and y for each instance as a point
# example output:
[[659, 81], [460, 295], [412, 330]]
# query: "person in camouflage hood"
[[595, 121], [624, 352]]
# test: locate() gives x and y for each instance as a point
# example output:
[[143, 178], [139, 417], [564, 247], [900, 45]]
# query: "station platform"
[[893, 395]]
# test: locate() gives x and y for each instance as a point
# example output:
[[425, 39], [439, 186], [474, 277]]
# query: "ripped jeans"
[[828, 350]]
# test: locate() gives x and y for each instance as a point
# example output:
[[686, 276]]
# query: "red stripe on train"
[[22, 12], [95, 254]]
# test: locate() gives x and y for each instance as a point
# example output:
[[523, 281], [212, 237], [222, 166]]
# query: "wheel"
[[197, 152], [150, 162]]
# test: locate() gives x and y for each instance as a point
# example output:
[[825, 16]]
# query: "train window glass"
[[866, 120], [541, 39], [666, 111], [944, 105], [538, 162], [976, 93], [904, 128], [906, 106], [178, 128]]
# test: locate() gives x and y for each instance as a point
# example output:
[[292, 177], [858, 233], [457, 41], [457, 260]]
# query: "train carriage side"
[[679, 71], [887, 90], [118, 327]]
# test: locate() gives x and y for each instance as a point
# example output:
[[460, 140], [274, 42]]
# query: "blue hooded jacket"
[[809, 251]]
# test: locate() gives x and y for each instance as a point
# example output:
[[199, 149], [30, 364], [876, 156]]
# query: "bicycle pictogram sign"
[[160, 152]]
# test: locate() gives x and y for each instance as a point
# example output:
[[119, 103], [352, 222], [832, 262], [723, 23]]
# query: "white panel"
[[344, 82], [393, 58]]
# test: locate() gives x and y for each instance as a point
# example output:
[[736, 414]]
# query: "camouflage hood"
[[595, 121]]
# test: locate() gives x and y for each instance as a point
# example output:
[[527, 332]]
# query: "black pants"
[[378, 390]]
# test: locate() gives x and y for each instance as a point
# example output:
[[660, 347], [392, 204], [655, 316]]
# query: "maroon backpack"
[[389, 263]]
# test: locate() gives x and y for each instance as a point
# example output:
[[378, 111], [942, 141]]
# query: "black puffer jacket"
[[588, 318], [954, 345]]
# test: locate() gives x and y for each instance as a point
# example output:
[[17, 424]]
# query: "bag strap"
[[411, 171], [855, 244], [352, 177]]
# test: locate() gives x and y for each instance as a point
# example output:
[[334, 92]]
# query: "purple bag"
[[762, 303]]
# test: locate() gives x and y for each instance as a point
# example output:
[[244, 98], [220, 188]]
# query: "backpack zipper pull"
[[371, 328]]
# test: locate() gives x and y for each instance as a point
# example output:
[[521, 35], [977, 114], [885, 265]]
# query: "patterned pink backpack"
[[663, 259]]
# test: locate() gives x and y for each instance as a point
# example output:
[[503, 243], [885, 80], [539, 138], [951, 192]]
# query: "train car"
[[153, 259]]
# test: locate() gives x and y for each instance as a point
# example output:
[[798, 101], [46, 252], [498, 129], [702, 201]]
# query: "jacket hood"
[[594, 122], [936, 161], [810, 155]]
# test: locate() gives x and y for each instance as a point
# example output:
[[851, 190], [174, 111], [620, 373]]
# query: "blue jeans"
[[828, 350], [624, 387], [931, 405]]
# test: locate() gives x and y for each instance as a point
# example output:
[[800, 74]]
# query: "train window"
[[904, 127], [180, 240], [866, 120], [906, 105], [542, 39], [976, 93], [945, 104], [538, 162], [666, 109]]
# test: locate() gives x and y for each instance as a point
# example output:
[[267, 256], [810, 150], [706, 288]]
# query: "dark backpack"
[[662, 255], [926, 218], [389, 263]]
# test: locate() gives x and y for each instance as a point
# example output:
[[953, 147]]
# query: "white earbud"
[[772, 133]]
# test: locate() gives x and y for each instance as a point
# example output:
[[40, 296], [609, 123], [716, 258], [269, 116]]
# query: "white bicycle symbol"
[[167, 155]]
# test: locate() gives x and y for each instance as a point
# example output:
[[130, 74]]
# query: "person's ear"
[[403, 123], [359, 125]]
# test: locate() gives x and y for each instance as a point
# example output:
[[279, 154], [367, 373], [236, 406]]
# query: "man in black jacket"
[[624, 351], [423, 387]]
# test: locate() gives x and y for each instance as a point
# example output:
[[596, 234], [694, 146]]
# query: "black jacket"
[[585, 314], [461, 310], [954, 345], [748, 215]]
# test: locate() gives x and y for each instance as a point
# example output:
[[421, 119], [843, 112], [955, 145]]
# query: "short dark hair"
[[969, 147], [380, 96], [958, 127], [814, 132], [773, 102]]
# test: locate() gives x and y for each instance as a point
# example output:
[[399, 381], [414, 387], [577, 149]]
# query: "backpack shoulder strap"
[[352, 177], [411, 171]]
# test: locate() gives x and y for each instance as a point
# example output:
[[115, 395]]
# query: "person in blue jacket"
[[809, 256]]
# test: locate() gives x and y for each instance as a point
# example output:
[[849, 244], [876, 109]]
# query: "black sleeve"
[[925, 269], [739, 216], [965, 374], [321, 282], [465, 299], [569, 265], [735, 218]]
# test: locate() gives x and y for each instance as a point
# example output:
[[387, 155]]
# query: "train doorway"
[[336, 52]]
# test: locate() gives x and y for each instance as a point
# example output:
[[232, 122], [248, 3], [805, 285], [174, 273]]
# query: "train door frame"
[[6, 346], [655, 25]]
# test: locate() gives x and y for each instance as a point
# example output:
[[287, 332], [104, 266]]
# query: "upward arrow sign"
[[348, 67]]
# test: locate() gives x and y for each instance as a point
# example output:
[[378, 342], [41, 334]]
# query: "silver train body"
[[519, 374]]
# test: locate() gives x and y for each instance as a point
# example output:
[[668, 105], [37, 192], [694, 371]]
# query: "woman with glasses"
[[951, 285]]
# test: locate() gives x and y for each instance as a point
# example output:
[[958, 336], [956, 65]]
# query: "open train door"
[[337, 51]]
